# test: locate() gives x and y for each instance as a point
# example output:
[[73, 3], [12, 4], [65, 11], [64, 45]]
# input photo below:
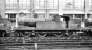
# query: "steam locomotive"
[[59, 29]]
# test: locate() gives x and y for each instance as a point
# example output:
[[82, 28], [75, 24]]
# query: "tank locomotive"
[[59, 29]]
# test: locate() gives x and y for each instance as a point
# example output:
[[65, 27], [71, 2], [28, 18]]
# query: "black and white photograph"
[[45, 24]]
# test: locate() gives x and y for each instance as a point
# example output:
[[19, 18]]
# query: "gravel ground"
[[28, 48]]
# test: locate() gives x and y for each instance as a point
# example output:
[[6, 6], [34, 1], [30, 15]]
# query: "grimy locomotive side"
[[27, 27]]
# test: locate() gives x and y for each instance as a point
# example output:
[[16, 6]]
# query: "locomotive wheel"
[[74, 35], [16, 34], [20, 34], [13, 34], [40, 35], [68, 34], [58, 35], [3, 34], [27, 34]]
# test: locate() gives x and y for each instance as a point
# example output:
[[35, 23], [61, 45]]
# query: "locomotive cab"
[[66, 19]]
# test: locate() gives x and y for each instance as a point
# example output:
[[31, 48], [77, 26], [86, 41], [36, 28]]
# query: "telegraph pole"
[[85, 8]]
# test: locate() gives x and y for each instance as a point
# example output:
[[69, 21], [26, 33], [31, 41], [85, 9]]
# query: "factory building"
[[45, 8]]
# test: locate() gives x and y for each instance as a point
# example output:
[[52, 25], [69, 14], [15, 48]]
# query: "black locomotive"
[[68, 30]]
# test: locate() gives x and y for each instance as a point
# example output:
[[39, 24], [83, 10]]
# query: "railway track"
[[52, 43]]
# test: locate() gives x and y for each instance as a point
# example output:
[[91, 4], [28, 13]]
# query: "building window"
[[35, 15], [90, 5], [11, 4], [39, 4], [79, 4], [74, 4], [18, 4], [41, 16], [11, 15], [46, 4], [68, 4], [24, 4], [52, 4], [79, 16]]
